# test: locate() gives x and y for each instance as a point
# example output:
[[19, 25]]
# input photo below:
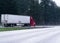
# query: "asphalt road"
[[38, 35]]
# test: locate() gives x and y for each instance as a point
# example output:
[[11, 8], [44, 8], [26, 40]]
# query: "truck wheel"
[[5, 25], [26, 25], [14, 25]]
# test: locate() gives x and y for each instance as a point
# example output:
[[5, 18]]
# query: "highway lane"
[[38, 35]]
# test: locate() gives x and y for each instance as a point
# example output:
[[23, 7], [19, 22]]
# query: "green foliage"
[[7, 6], [22, 6], [11, 28], [46, 12]]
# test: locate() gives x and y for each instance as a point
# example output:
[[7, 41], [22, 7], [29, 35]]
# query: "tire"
[[26, 25], [5, 25]]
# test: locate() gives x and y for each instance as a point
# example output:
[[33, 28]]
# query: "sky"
[[56, 1]]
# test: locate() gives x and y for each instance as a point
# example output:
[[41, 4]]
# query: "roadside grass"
[[11, 28]]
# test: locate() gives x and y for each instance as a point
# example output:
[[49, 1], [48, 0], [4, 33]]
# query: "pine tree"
[[47, 10]]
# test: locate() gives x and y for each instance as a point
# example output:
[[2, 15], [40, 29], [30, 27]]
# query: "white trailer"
[[14, 20]]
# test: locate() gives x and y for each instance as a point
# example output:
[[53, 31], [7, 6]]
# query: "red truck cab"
[[32, 22]]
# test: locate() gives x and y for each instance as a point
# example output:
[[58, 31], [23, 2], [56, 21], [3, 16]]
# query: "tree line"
[[44, 13]]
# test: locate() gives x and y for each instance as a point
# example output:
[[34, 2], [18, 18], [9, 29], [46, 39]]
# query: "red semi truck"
[[14, 20]]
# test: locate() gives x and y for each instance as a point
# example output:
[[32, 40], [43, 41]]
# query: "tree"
[[22, 6], [8, 6], [34, 10], [48, 9]]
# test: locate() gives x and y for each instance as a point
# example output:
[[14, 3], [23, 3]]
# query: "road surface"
[[38, 35]]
